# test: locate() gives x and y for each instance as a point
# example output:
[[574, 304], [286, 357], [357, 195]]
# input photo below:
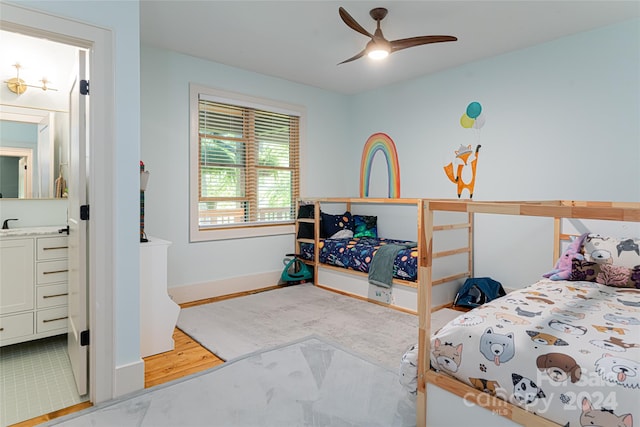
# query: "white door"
[[24, 178], [78, 115]]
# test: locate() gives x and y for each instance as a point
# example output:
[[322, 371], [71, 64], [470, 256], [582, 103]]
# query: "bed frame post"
[[557, 233], [424, 316], [470, 243], [422, 247], [316, 241]]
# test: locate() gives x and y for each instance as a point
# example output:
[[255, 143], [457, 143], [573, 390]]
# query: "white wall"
[[561, 123], [165, 152]]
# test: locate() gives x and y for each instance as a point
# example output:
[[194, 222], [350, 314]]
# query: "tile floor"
[[35, 379]]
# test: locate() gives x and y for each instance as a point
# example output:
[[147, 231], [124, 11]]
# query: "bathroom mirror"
[[34, 147]]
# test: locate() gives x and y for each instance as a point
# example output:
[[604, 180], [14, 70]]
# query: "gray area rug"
[[238, 326], [310, 382]]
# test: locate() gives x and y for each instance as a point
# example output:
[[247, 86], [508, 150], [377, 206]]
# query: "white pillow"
[[343, 234]]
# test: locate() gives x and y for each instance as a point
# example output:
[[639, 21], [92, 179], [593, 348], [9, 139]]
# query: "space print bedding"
[[357, 254], [568, 351]]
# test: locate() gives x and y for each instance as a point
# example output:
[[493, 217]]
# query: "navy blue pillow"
[[331, 224]]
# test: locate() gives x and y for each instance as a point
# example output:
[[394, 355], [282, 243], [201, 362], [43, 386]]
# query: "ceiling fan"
[[379, 47]]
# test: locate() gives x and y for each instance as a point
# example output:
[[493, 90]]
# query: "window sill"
[[198, 235]]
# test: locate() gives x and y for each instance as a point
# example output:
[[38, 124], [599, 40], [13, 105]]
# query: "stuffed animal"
[[562, 269], [409, 370]]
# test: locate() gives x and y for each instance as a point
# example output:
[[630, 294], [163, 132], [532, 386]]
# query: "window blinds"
[[248, 165]]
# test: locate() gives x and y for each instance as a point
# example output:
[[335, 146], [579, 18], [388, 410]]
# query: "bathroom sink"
[[30, 231]]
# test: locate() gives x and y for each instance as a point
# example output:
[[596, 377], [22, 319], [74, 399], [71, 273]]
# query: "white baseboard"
[[198, 291], [129, 378]]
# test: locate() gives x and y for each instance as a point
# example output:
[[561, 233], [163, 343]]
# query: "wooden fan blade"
[[397, 45], [351, 23], [353, 58]]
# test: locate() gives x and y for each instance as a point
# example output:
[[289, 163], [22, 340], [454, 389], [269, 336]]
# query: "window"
[[244, 166]]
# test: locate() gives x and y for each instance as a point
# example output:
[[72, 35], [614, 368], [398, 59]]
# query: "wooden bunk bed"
[[560, 211], [352, 205]]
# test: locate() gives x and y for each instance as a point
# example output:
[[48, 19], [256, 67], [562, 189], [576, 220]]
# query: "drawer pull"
[[56, 295], [55, 247], [54, 272], [56, 319], [1, 329]]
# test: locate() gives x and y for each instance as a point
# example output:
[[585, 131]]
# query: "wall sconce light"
[[19, 86]]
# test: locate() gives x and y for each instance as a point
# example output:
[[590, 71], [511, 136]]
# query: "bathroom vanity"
[[33, 284]]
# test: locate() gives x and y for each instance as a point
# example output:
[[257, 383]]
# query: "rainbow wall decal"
[[380, 142]]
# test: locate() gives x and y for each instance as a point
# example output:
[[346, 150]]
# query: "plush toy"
[[409, 370], [562, 269]]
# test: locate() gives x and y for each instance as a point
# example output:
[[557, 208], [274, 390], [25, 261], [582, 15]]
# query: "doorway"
[[40, 376], [15, 175], [105, 377]]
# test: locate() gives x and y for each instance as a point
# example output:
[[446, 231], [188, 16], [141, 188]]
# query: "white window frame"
[[197, 91]]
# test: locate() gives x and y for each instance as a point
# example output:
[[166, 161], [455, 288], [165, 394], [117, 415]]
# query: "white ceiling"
[[302, 41]]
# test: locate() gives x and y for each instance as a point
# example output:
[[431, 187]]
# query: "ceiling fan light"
[[378, 54], [378, 49]]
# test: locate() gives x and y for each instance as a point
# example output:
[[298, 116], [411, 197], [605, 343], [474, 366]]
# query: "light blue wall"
[[165, 151], [123, 19], [562, 122], [554, 112], [24, 133]]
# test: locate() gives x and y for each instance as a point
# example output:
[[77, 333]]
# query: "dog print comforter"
[[567, 351]]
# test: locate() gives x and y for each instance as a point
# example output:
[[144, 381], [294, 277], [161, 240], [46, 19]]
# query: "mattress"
[[567, 351], [357, 253]]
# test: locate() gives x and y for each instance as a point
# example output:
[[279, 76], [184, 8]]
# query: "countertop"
[[32, 231]]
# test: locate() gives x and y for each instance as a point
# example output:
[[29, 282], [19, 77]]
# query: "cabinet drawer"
[[51, 272], [51, 248], [18, 325], [51, 295], [51, 319]]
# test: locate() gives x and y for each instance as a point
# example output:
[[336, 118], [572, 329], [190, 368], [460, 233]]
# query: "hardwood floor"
[[188, 357], [51, 415]]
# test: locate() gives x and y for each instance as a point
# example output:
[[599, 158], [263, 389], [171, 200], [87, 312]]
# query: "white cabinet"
[[33, 288], [158, 312], [16, 275]]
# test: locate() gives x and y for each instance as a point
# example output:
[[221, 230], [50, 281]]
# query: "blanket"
[[381, 270]]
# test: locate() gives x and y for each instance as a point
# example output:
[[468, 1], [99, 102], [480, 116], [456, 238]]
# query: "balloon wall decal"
[[383, 143], [473, 118]]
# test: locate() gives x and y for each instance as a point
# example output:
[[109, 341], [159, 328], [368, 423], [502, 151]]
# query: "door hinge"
[[84, 87], [84, 212], [84, 338]]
